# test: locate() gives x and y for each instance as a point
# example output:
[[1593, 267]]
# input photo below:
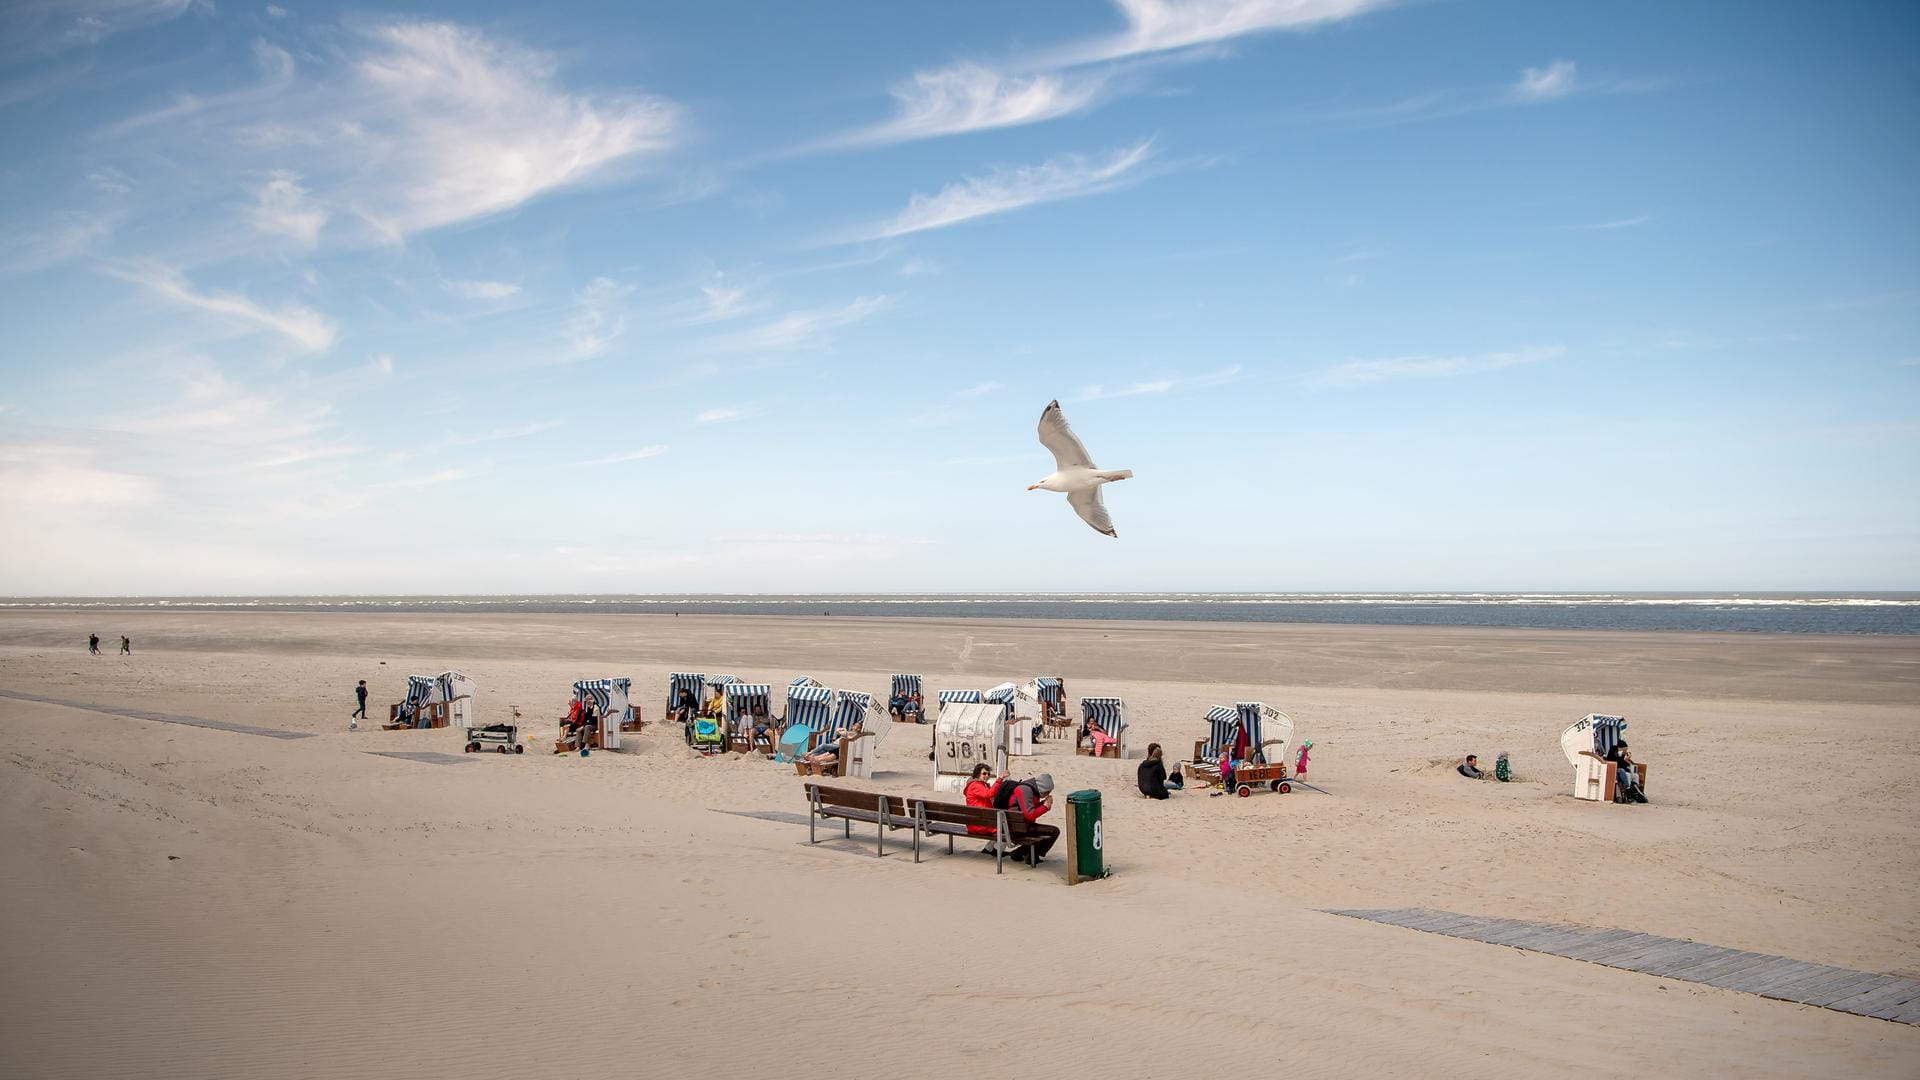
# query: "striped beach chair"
[[1019, 736], [1051, 692], [908, 686], [853, 709], [611, 700], [809, 705], [1269, 730], [422, 692], [1109, 714], [740, 699], [961, 697], [1586, 743]]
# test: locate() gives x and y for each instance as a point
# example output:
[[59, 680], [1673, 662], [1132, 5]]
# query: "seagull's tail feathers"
[[1110, 475]]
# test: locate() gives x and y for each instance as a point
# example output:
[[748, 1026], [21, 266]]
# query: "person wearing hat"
[[1030, 799]]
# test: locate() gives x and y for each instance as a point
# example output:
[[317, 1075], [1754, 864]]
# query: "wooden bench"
[[884, 812], [925, 817]]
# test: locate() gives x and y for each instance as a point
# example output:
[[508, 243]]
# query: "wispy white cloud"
[[977, 389], [801, 329], [1157, 26], [1161, 385], [489, 291], [275, 11], [443, 476], [283, 208], [1359, 255], [986, 459], [517, 431], [599, 317], [65, 236], [1007, 189], [917, 267], [972, 97], [631, 455], [54, 27], [67, 476], [822, 539], [465, 125], [306, 328], [725, 415], [1608, 226], [276, 74], [1556, 80], [1370, 372]]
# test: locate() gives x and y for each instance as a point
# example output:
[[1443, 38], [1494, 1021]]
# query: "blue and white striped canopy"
[[962, 697], [1222, 724], [804, 680], [720, 680], [601, 691], [1250, 713], [1000, 695], [740, 698], [445, 684], [1106, 712], [851, 707], [905, 684], [1050, 689], [809, 705], [684, 680], [1607, 733]]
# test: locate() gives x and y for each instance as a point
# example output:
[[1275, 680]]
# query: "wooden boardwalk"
[[158, 717], [1863, 993]]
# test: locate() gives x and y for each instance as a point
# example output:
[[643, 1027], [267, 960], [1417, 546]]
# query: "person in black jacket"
[[1155, 783]]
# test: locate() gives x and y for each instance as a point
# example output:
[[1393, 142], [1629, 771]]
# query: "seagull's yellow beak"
[[1033, 487]]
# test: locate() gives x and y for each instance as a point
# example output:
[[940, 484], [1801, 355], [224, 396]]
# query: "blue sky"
[[738, 297]]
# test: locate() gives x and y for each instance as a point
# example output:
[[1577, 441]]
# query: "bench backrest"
[[872, 802], [947, 813]]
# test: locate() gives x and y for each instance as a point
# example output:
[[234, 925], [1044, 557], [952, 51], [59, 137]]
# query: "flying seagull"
[[1074, 471]]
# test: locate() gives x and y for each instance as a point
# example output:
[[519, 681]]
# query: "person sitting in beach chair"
[[1470, 768], [716, 706], [766, 729], [825, 758], [1626, 784], [1094, 736]]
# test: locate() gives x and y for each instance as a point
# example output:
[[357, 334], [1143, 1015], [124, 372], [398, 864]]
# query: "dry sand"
[[184, 902]]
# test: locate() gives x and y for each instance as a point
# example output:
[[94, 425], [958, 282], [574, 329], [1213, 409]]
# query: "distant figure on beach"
[[1155, 782], [93, 644], [359, 714], [1300, 768], [1470, 768], [126, 645]]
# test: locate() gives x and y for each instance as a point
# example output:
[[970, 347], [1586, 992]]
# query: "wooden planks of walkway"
[[431, 757], [1863, 993]]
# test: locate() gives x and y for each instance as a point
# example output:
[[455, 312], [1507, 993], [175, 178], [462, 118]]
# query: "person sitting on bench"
[[1030, 799], [716, 706], [902, 703], [1470, 768], [1626, 776], [577, 728], [979, 794], [1155, 781], [685, 707]]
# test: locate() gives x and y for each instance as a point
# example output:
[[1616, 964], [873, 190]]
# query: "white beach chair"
[[1019, 731], [1586, 743]]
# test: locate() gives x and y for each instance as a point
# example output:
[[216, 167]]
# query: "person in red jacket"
[[979, 793], [1030, 799]]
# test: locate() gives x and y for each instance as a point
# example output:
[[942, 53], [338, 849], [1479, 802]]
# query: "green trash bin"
[[1086, 858]]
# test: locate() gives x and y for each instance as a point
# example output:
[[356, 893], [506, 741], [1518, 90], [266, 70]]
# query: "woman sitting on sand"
[[1155, 782]]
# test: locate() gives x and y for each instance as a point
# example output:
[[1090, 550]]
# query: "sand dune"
[[331, 913]]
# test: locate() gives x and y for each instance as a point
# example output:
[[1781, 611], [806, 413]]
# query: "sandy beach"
[[198, 903]]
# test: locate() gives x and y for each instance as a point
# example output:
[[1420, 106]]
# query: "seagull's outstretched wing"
[[1091, 509], [1056, 436]]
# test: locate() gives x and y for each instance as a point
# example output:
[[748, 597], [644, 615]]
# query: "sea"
[[1754, 613]]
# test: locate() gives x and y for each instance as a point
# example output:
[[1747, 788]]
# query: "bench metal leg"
[[1000, 842]]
